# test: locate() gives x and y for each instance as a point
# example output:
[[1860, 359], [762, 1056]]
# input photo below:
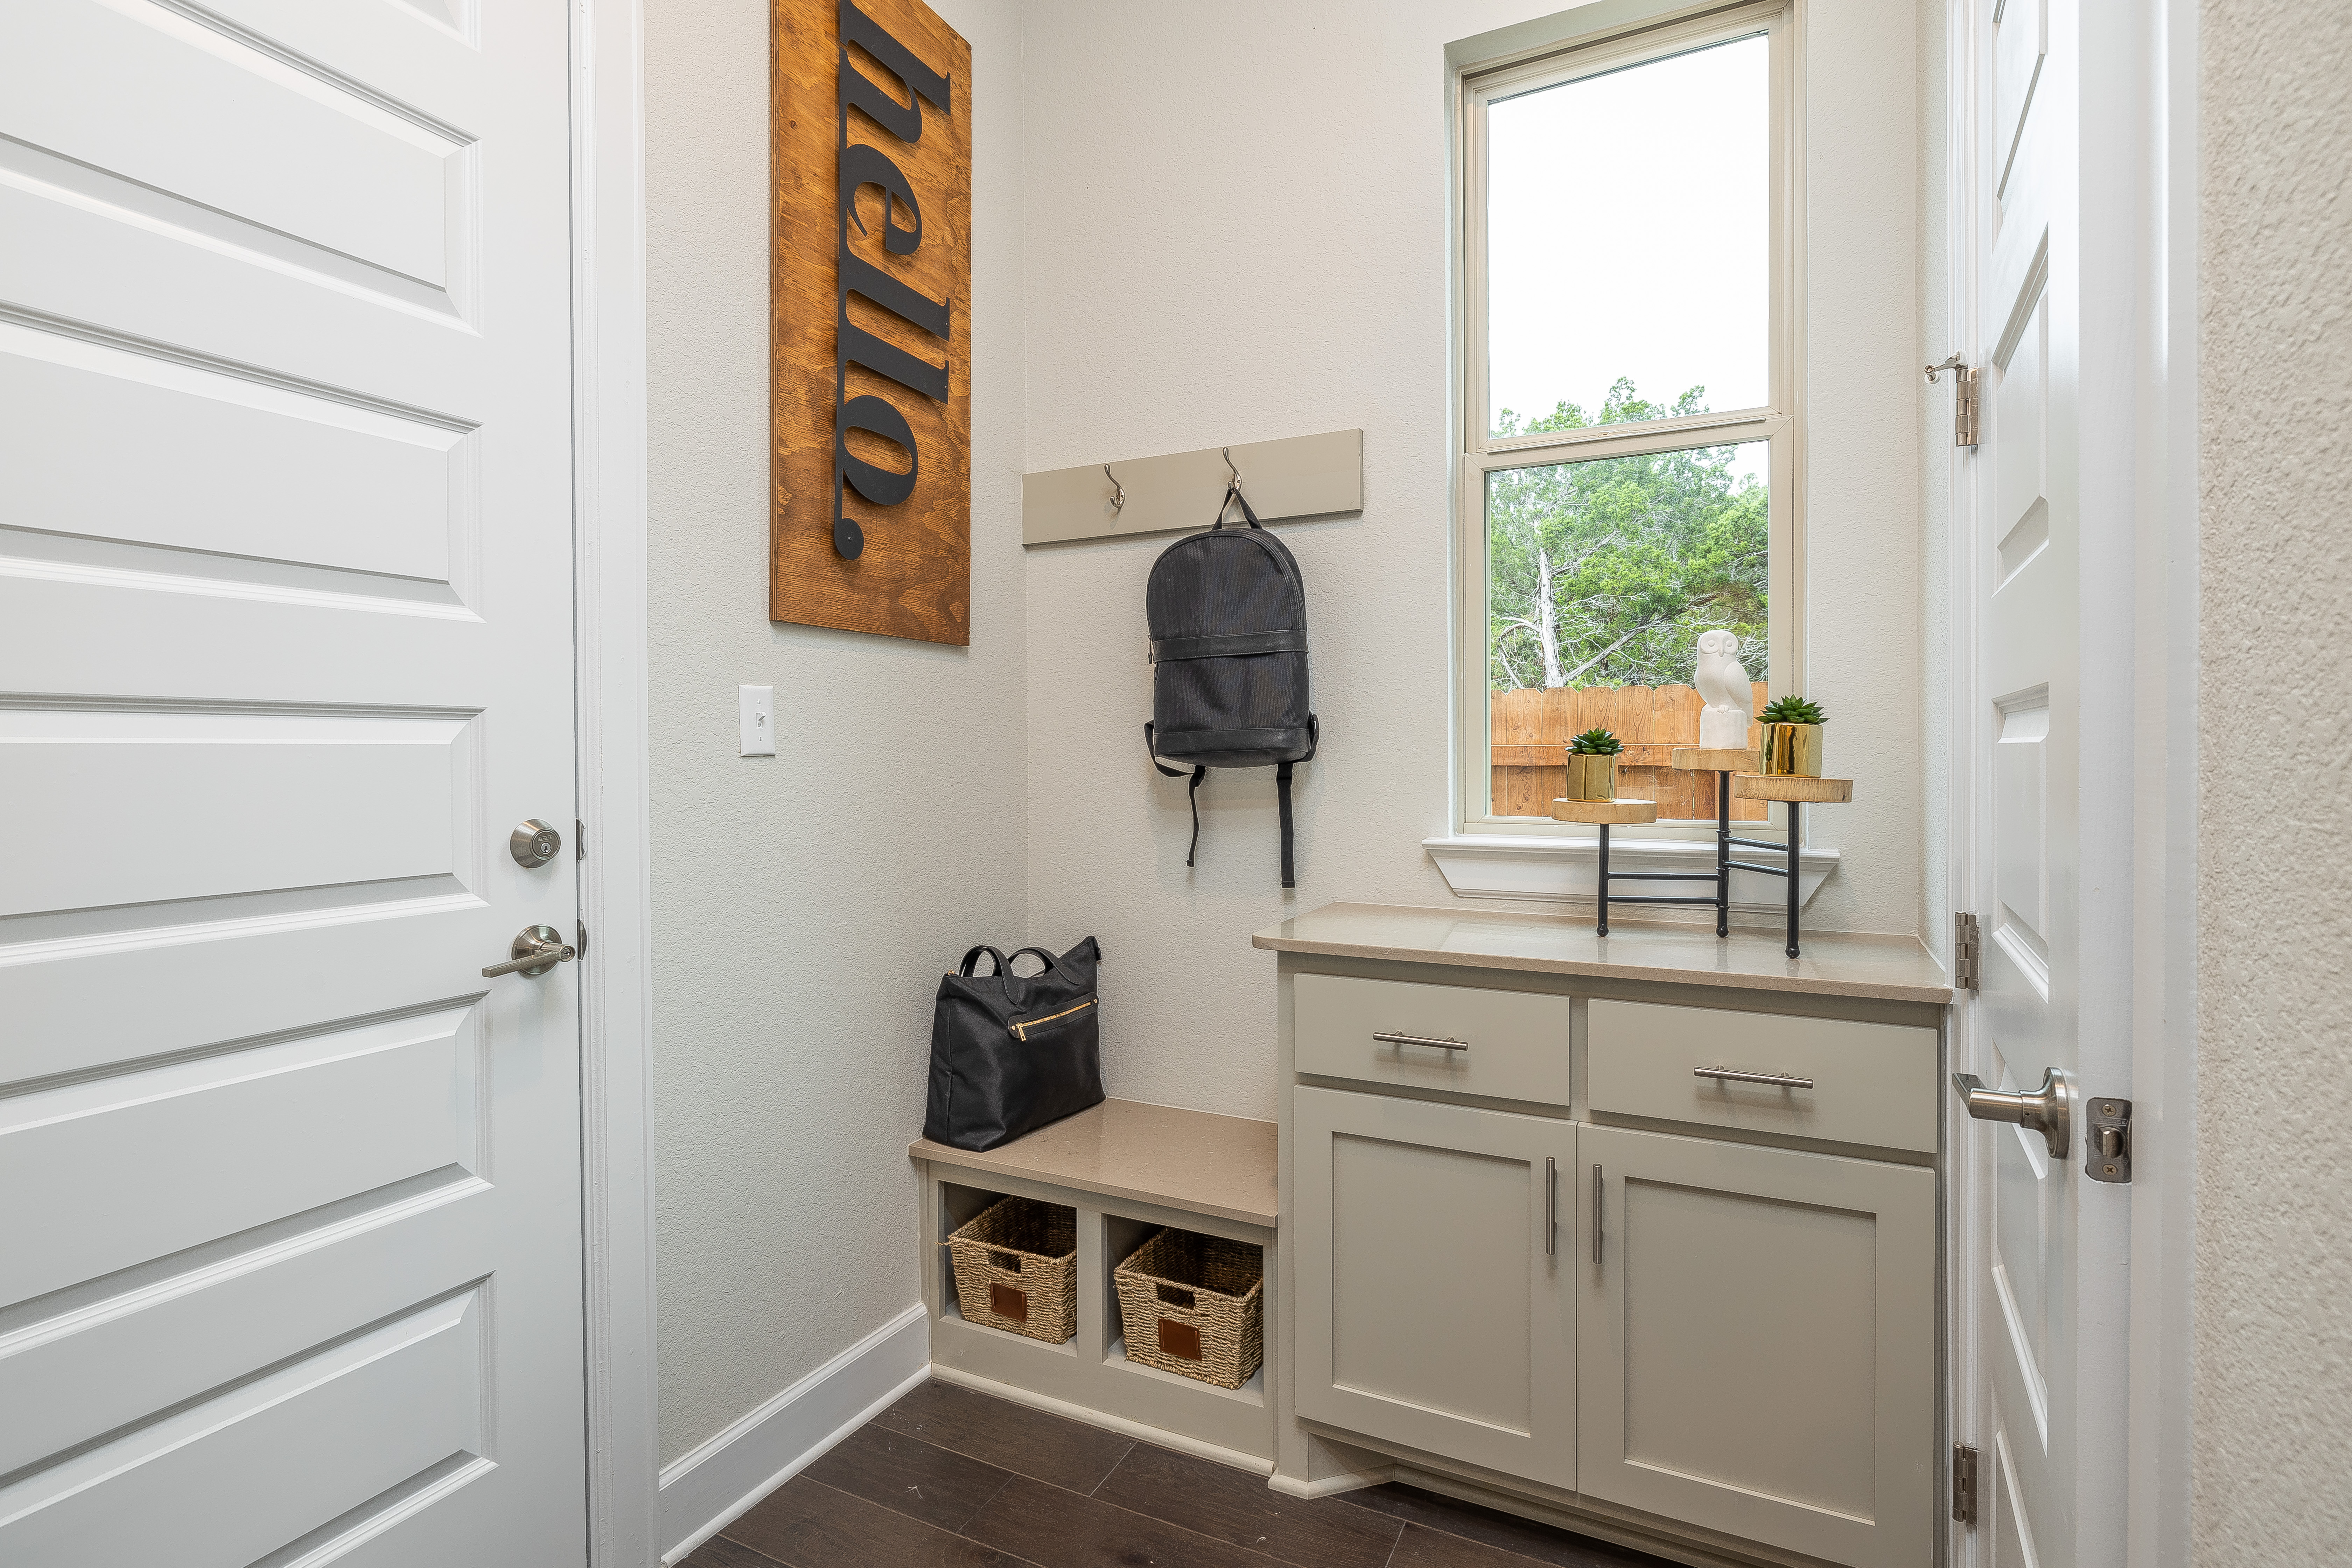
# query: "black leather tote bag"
[[1010, 1054]]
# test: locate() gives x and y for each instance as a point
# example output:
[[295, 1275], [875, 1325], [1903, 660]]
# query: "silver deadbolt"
[[2046, 1110], [537, 950], [533, 844]]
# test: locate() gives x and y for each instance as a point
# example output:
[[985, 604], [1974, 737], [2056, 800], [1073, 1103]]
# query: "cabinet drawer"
[[1513, 1045], [1869, 1083]]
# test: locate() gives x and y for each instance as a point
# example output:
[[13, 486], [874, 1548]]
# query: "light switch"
[[759, 716]]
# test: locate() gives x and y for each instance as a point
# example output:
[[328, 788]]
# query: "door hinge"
[[579, 839], [580, 947], [1968, 953], [1964, 1484], [2107, 1148], [1964, 398]]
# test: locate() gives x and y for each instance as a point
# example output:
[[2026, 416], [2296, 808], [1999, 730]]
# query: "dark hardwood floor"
[[950, 1479]]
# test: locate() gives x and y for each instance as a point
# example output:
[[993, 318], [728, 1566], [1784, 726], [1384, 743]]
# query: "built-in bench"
[[1126, 1168]]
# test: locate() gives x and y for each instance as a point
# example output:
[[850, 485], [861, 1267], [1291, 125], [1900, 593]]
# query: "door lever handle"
[[2046, 1110], [537, 950]]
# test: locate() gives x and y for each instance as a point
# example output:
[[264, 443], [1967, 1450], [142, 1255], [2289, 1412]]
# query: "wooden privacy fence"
[[1530, 726]]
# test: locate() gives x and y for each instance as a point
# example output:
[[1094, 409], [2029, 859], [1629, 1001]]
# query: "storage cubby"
[[1128, 1170], [958, 1206], [1122, 1238]]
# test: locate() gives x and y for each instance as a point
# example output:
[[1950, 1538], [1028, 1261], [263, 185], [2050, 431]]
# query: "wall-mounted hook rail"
[[1296, 476]]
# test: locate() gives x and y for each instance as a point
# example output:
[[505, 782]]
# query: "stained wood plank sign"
[[870, 286]]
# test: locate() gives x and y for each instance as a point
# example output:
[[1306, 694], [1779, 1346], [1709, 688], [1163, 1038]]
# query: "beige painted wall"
[[2274, 1334], [1238, 230], [804, 904]]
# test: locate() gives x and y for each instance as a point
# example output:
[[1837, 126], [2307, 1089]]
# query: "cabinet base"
[[1544, 1505], [1600, 1526]]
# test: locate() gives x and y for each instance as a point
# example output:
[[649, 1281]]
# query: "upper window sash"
[[1578, 61]]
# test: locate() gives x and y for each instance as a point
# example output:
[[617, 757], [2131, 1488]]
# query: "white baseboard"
[[1331, 1486], [1159, 1436], [707, 1491]]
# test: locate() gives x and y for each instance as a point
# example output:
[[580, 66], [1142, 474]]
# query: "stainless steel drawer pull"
[[1420, 1040], [1729, 1077], [1552, 1206], [1596, 1217]]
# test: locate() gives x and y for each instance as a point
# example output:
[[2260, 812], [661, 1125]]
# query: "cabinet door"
[[1758, 1342], [1436, 1278]]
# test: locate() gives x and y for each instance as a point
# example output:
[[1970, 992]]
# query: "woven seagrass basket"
[[1194, 1305], [1016, 1268]]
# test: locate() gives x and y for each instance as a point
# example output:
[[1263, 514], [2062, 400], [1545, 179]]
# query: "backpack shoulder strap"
[[1153, 753], [1192, 791], [1282, 793]]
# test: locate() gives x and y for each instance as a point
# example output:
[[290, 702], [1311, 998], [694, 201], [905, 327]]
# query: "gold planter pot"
[[1591, 777], [1792, 751]]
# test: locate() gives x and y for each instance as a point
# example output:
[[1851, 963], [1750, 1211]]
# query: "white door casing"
[[2041, 1396], [289, 1258]]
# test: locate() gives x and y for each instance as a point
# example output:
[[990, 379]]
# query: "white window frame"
[[1478, 454]]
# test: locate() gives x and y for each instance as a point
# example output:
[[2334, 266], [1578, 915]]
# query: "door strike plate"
[[2106, 1151]]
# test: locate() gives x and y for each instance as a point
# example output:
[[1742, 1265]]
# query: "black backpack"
[[1227, 612]]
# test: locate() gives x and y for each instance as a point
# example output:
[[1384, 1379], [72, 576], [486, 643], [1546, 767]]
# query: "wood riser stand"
[[1734, 776]]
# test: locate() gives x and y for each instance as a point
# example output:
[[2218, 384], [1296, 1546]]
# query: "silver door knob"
[[2045, 1109], [537, 950]]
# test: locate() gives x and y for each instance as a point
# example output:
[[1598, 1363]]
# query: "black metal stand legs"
[[1720, 875], [1787, 874], [1603, 927], [1722, 854], [1795, 838]]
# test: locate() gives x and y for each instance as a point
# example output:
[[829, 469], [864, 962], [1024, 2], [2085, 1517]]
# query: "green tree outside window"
[[1604, 572]]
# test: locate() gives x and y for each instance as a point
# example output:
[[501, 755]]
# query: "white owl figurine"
[[1723, 684]]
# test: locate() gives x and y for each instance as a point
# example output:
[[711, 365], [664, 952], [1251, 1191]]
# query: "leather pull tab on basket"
[[1006, 1302], [1182, 1340]]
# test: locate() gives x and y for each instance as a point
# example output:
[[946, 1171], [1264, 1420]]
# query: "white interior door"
[[289, 1211], [2042, 1409]]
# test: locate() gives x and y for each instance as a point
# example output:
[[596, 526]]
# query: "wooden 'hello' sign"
[[869, 298]]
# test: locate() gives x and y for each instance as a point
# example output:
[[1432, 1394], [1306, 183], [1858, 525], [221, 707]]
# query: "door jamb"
[[611, 658], [2164, 1035], [1968, 1220]]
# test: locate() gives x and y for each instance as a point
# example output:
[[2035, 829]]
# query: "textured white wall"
[[805, 904], [2274, 1334], [1237, 222]]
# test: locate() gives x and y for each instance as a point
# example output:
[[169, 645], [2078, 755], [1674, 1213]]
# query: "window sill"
[[1499, 866]]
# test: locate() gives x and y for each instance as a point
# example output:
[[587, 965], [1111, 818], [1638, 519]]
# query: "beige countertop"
[[1222, 1165], [1833, 963]]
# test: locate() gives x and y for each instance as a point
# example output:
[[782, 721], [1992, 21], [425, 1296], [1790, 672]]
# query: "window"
[[1628, 386]]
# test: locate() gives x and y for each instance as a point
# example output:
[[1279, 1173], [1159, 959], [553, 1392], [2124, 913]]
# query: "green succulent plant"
[[1596, 743], [1790, 711]]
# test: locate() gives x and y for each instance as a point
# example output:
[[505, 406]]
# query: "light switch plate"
[[758, 707]]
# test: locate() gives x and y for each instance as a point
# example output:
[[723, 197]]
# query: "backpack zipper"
[[1020, 1030]]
